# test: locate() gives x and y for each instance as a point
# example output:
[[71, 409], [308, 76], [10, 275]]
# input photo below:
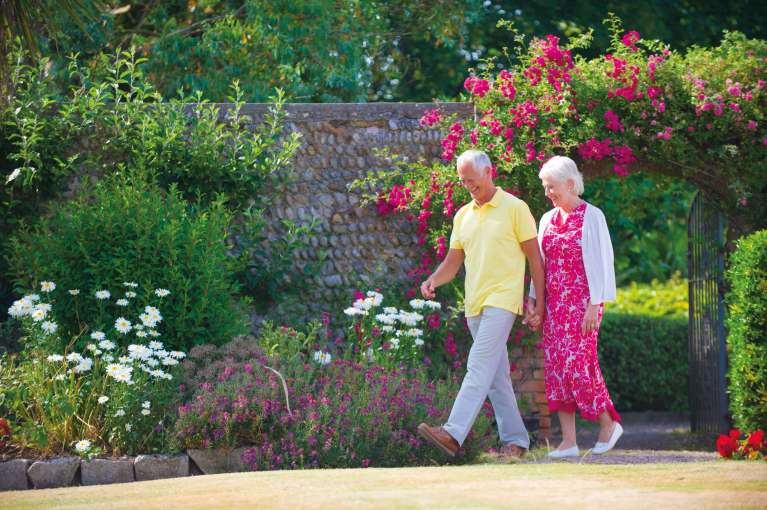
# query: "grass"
[[709, 485]]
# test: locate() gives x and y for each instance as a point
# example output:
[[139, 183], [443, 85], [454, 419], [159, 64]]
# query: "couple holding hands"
[[571, 264]]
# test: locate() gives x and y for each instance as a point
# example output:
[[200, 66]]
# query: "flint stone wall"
[[337, 146]]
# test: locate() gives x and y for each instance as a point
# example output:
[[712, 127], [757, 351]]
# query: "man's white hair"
[[477, 159], [562, 168]]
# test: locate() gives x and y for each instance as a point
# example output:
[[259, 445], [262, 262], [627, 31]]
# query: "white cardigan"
[[597, 252]]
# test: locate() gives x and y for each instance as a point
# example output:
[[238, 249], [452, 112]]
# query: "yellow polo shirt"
[[490, 238]]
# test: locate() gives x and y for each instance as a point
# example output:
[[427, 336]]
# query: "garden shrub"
[[747, 337], [124, 230], [52, 137], [342, 413], [101, 398], [643, 346]]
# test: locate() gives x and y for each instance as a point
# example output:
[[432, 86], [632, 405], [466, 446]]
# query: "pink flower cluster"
[[397, 200], [613, 122], [630, 39], [550, 59], [596, 150], [627, 75], [505, 83], [477, 86], [430, 117], [450, 142]]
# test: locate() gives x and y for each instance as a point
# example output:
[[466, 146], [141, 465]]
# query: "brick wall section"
[[338, 142]]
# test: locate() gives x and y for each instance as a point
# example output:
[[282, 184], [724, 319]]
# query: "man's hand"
[[428, 288], [533, 314]]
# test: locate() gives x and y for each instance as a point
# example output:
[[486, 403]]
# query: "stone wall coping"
[[319, 112]]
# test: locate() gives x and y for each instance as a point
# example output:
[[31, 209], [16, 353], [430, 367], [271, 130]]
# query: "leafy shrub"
[[109, 115], [747, 338], [656, 299], [102, 398], [124, 229], [342, 413], [644, 361]]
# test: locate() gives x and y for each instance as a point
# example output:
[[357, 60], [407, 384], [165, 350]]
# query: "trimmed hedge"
[[747, 338], [644, 361]]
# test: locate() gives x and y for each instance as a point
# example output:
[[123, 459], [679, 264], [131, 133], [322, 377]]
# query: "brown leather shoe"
[[513, 450], [439, 437]]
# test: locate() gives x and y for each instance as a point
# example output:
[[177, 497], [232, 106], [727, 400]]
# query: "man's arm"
[[533, 254], [444, 273]]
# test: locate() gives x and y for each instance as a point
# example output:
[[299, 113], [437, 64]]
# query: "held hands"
[[428, 288], [590, 319], [533, 314]]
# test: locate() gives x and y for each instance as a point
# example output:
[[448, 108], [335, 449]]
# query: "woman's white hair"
[[477, 159], [562, 168]]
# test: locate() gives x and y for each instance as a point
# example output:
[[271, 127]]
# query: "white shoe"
[[561, 454], [606, 447]]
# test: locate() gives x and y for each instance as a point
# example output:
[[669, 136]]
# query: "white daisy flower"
[[141, 333], [38, 315], [154, 344], [146, 404], [152, 362], [55, 357], [46, 307], [91, 347], [50, 327], [137, 351], [130, 284], [387, 329], [154, 333], [376, 296], [83, 445], [414, 332], [47, 286], [394, 343], [108, 358], [322, 357], [177, 354], [145, 412], [147, 320], [60, 377], [73, 292], [98, 335], [130, 294], [417, 303], [122, 325], [128, 427], [103, 294], [418, 342], [74, 357], [434, 305], [33, 297], [121, 302], [169, 362], [103, 399], [84, 365], [120, 412], [107, 345], [161, 292], [390, 310]]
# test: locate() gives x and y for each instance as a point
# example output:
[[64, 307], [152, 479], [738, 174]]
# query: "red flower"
[[726, 445], [756, 440], [630, 39], [5, 432]]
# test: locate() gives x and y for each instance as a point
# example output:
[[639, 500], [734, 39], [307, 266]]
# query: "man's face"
[[475, 181]]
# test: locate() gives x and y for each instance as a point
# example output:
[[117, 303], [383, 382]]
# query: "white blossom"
[[83, 445], [47, 286], [130, 294], [107, 345], [74, 292], [122, 325], [130, 284], [103, 399], [50, 327], [103, 294], [434, 305], [161, 292], [418, 342], [322, 357], [417, 304], [55, 357], [121, 302], [98, 335]]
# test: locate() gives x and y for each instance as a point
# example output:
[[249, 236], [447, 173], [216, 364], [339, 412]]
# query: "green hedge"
[[643, 347], [747, 325], [644, 361]]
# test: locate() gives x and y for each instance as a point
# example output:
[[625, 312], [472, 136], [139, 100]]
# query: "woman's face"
[[559, 192]]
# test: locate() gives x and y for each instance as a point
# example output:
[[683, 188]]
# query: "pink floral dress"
[[573, 377]]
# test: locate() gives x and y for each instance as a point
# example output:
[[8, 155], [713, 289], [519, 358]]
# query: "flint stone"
[[106, 471], [13, 474], [47, 474], [155, 467]]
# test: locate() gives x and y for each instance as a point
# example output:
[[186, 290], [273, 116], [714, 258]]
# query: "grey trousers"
[[488, 374]]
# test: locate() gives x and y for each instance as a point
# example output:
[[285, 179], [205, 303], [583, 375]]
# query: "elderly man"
[[492, 235]]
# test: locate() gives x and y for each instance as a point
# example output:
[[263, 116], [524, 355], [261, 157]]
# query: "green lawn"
[[519, 486]]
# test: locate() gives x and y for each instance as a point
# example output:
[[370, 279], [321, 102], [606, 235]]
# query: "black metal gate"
[[707, 350]]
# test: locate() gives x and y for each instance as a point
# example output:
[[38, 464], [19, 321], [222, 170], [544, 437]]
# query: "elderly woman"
[[579, 276]]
